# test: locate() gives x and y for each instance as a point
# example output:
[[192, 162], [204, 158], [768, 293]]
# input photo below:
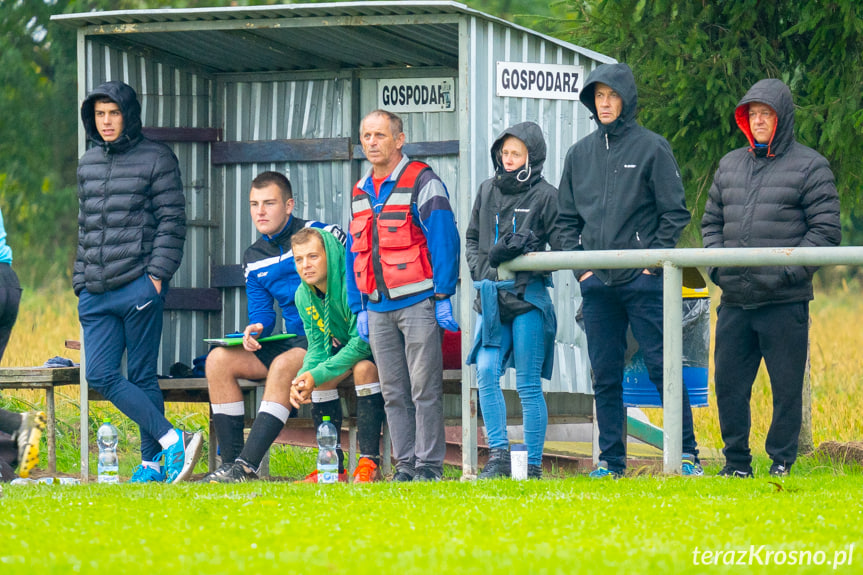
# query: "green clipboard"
[[231, 341]]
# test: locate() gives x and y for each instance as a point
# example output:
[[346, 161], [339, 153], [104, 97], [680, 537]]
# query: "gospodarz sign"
[[546, 81], [417, 95]]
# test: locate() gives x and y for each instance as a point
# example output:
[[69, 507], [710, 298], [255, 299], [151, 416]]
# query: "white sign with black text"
[[546, 81], [417, 95]]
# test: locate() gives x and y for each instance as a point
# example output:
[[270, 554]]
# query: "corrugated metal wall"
[[274, 110], [319, 106], [172, 97], [563, 123]]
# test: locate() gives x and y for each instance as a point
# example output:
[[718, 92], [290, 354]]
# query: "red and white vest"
[[391, 255]]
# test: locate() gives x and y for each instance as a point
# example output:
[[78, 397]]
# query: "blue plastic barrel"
[[639, 391]]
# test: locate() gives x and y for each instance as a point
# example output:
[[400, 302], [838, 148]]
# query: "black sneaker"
[[426, 474], [730, 471], [498, 465], [780, 470], [402, 477], [534, 471], [230, 473]]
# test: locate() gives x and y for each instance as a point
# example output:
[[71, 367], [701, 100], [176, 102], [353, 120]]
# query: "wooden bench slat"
[[195, 299], [37, 377]]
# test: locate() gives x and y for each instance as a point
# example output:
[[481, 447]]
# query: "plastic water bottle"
[[109, 465], [328, 459]]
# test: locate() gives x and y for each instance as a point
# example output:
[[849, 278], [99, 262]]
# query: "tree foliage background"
[[693, 61]]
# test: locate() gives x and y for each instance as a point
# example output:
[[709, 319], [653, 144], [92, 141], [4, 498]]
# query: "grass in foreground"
[[575, 525]]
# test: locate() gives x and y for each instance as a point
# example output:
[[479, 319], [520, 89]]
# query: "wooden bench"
[[195, 390], [46, 378]]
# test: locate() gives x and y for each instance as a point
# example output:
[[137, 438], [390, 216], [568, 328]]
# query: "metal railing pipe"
[[688, 257], [672, 366], [671, 261]]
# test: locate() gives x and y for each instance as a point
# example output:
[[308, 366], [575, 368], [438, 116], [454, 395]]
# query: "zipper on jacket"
[[104, 222], [377, 267], [605, 194]]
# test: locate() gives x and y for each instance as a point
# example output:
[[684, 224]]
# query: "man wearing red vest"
[[402, 267]]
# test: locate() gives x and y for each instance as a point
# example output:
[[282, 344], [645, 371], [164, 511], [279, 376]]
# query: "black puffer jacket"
[[131, 217], [621, 187], [505, 204], [779, 196]]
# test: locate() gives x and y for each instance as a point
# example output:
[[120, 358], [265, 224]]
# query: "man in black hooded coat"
[[775, 192], [131, 230], [621, 190]]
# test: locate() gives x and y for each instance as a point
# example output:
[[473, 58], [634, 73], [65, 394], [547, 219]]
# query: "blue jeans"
[[524, 337], [607, 313], [128, 318]]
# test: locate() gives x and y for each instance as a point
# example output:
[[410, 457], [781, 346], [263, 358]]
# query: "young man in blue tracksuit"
[[131, 231], [271, 277], [402, 268]]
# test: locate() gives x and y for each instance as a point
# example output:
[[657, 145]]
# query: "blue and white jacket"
[[271, 276]]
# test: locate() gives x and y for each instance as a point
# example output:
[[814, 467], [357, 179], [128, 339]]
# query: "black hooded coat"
[[621, 187], [782, 195], [131, 217], [517, 201]]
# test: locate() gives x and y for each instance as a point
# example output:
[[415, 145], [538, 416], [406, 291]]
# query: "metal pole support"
[[672, 367]]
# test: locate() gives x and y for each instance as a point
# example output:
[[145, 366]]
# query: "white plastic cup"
[[518, 460]]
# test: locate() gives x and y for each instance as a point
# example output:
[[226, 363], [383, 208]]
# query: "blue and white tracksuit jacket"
[[271, 275]]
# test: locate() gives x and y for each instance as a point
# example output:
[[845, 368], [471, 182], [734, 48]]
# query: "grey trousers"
[[406, 344]]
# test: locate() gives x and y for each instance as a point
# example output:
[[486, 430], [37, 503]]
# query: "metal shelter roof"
[[296, 36]]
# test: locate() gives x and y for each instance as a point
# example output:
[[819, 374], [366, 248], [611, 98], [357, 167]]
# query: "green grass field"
[[563, 525], [574, 525]]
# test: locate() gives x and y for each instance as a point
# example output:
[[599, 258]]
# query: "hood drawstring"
[[527, 172]]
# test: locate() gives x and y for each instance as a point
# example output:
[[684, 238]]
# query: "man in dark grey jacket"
[[774, 192], [621, 190], [131, 230]]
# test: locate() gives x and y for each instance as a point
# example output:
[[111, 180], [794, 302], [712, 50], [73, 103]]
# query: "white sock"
[[233, 408], [368, 389], [169, 439], [154, 465], [323, 396], [277, 410]]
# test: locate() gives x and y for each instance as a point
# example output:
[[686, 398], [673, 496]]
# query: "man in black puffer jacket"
[[621, 190], [774, 192], [131, 230]]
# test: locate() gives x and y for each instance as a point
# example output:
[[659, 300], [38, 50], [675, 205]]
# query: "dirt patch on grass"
[[849, 452]]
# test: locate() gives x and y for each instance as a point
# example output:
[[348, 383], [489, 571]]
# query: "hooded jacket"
[[517, 201], [331, 328], [131, 209], [271, 276], [621, 187], [781, 195]]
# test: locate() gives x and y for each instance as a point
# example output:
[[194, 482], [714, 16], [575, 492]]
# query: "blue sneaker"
[[690, 468], [147, 475], [602, 471], [180, 458]]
